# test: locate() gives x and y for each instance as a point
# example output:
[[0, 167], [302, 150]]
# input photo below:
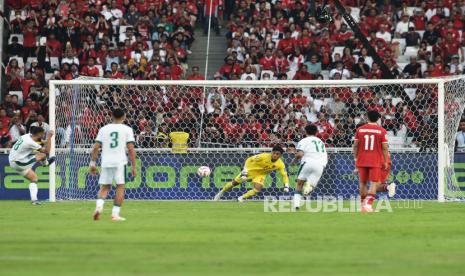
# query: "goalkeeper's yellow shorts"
[[254, 177]]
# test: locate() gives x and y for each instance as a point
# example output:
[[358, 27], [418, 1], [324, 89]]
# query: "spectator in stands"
[[361, 69], [413, 68], [16, 128], [5, 136], [90, 69], [383, 33], [403, 25], [412, 38], [15, 49], [303, 73]]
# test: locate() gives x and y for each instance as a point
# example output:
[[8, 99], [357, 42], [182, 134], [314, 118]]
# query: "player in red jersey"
[[371, 156]]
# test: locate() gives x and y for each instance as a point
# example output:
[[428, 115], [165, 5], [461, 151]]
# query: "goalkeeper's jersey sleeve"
[[261, 164]]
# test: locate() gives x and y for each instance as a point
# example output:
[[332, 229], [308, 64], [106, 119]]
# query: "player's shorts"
[[385, 173], [112, 175], [23, 167], [369, 174], [254, 177], [310, 173]]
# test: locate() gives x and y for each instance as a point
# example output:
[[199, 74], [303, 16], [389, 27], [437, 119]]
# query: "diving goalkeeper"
[[256, 169]]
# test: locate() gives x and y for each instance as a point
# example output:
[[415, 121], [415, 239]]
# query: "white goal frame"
[[440, 82]]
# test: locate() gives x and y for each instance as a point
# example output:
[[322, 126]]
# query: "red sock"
[[383, 188], [369, 199]]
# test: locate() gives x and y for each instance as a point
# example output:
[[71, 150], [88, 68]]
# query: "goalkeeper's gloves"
[[244, 174], [286, 188]]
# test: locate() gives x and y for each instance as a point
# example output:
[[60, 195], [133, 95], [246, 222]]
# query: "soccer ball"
[[203, 171]]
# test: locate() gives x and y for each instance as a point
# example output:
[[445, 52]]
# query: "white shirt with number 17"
[[114, 138], [314, 150]]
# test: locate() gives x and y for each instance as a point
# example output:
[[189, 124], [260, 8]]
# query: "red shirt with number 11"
[[370, 139]]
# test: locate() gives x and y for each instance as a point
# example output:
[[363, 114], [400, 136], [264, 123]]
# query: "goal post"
[[227, 121]]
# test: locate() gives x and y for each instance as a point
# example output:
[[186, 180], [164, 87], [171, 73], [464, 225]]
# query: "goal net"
[[182, 125]]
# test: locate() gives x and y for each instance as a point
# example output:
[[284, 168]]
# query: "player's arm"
[[93, 157], [130, 144], [385, 154], [385, 149], [48, 142], [132, 158]]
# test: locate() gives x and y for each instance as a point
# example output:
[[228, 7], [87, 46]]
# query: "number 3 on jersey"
[[114, 139], [369, 142]]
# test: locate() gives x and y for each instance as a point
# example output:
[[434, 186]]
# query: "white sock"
[[99, 206], [115, 211], [296, 201], [33, 191]]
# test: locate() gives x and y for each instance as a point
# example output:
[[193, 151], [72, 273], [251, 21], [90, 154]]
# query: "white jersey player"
[[26, 152], [113, 139], [313, 159]]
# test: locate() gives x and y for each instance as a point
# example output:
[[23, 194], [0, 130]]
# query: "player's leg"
[[101, 196], [257, 187], [42, 157], [374, 175], [296, 201], [302, 176], [313, 177], [384, 186], [236, 181], [120, 179], [119, 198], [363, 179], [105, 181], [30, 175]]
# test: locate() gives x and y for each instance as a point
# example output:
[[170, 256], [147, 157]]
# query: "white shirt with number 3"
[[114, 138]]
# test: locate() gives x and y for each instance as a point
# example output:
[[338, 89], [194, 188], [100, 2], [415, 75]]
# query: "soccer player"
[[370, 150], [313, 158], [26, 152], [113, 140], [256, 168]]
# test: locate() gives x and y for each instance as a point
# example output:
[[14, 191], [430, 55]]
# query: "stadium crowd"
[[151, 39]]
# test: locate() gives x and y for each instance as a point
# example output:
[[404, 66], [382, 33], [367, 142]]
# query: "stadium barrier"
[[175, 177]]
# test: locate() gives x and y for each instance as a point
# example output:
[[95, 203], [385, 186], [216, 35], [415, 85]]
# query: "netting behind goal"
[[226, 122]]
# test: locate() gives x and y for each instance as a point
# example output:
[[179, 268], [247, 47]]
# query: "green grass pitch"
[[228, 238]]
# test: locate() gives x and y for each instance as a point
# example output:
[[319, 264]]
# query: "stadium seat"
[[411, 51], [325, 74], [403, 59], [401, 65], [54, 63]]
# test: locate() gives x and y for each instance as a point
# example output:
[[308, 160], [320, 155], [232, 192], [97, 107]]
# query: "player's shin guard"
[[296, 202], [250, 193], [99, 205], [33, 190], [115, 211]]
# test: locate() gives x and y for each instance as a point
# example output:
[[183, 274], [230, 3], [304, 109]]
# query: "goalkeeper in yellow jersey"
[[256, 169]]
